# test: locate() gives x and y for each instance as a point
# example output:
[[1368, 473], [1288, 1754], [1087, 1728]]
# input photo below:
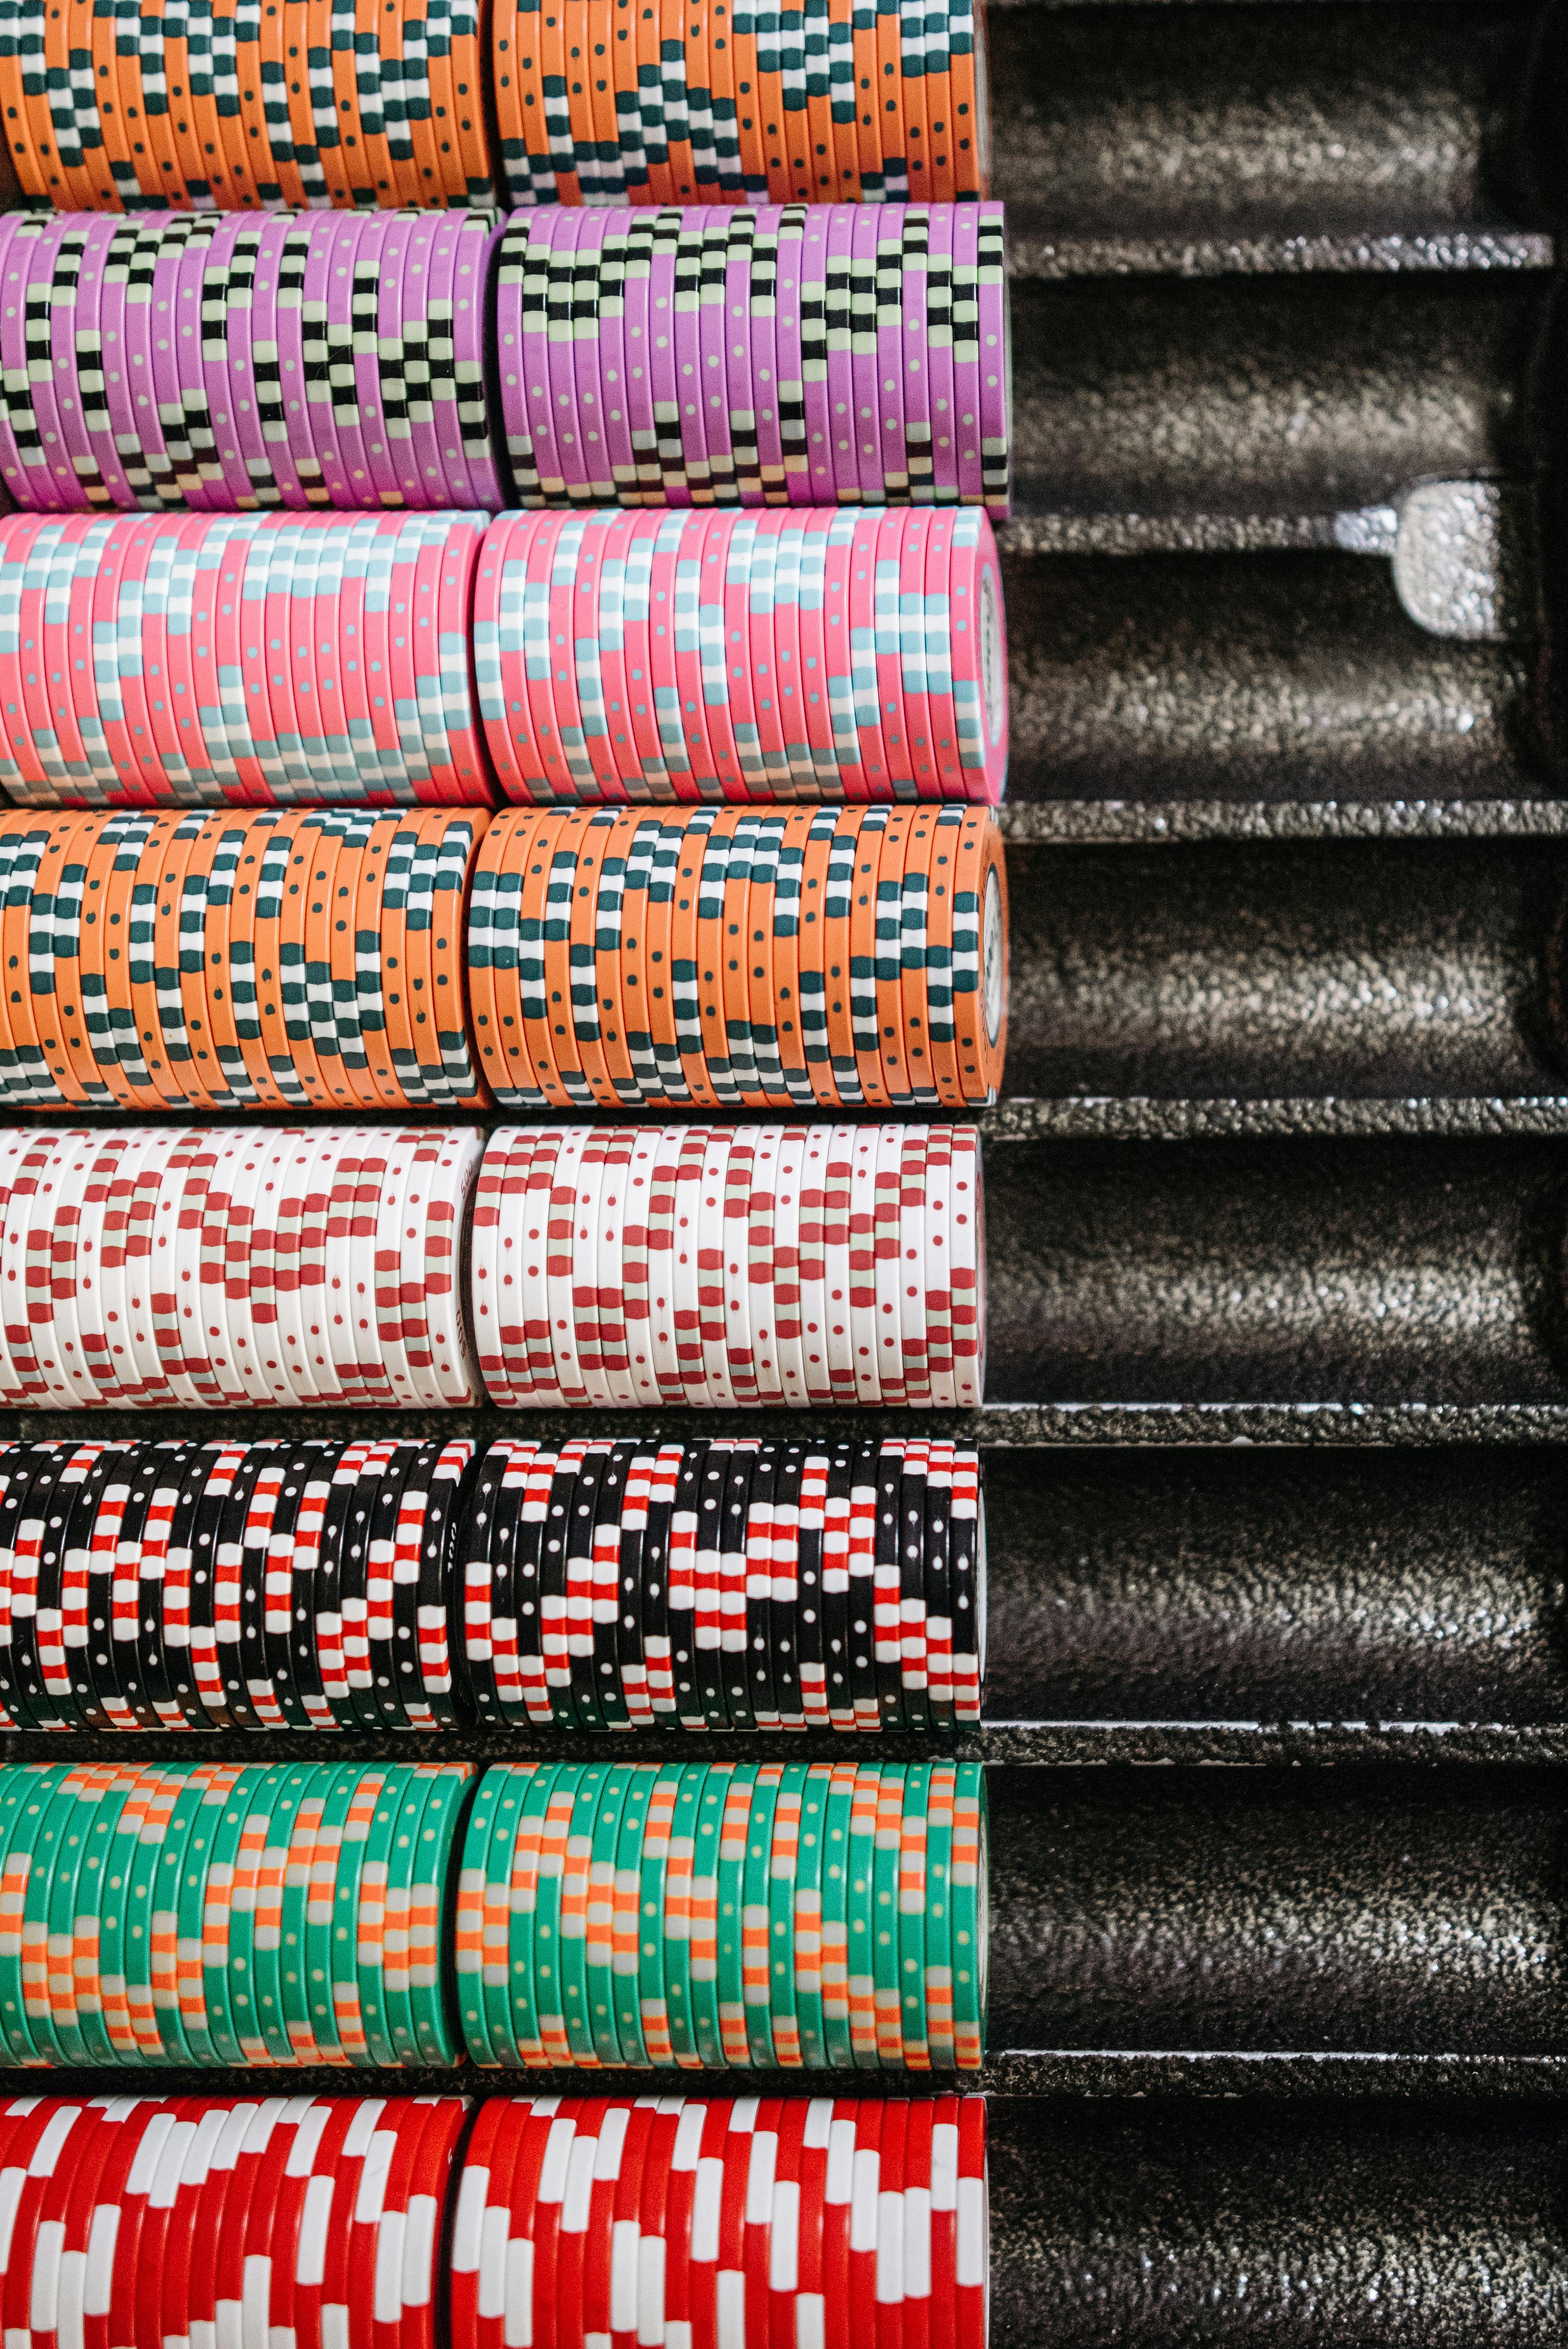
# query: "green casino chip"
[[782, 1876], [218, 1915], [628, 1897], [64, 1910], [369, 1919], [704, 2023], [970, 1949], [677, 1943], [938, 1980], [755, 1916], [128, 1950], [437, 2039], [191, 1902], [293, 1977], [525, 1793], [653, 1873], [279, 2011], [163, 1894], [340, 1780], [244, 1993], [546, 1975], [809, 1918], [731, 1935], [914, 2029], [91, 1892], [56, 1849], [600, 1943], [415, 1783], [859, 1918], [29, 1789], [839, 2049], [370, 1793], [884, 1914], [474, 1881], [587, 1782]]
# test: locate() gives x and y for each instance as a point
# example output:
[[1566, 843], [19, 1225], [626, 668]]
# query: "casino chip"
[[934, 883], [831, 318], [765, 1288], [912, 1985], [857, 655], [256, 660]]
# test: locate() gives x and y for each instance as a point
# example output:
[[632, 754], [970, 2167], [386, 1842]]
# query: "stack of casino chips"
[[224, 1913], [725, 1915], [258, 660], [246, 1264], [872, 971], [201, 108], [707, 656], [670, 105], [279, 1585], [807, 356], [719, 1267], [788, 2221], [233, 364], [227, 962], [144, 2218], [727, 1585]]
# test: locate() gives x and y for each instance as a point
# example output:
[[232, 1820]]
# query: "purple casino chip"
[[663, 257], [867, 393], [266, 362], [398, 231], [995, 364], [787, 332], [967, 385], [686, 315], [479, 248], [891, 439], [619, 453], [572, 377], [939, 355], [226, 330], [914, 370], [348, 235], [322, 250], [420, 469], [369, 259], [818, 479], [637, 332], [713, 381], [737, 328], [844, 465]]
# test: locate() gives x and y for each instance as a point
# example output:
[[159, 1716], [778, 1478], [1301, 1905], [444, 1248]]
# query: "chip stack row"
[[308, 960], [707, 656], [358, 2222], [199, 110], [798, 355], [750, 2222], [831, 103], [228, 1914], [727, 1585], [142, 2219], [725, 1915], [260, 660], [391, 1586], [246, 1264], [726, 1266], [870, 973], [229, 364], [268, 1586]]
